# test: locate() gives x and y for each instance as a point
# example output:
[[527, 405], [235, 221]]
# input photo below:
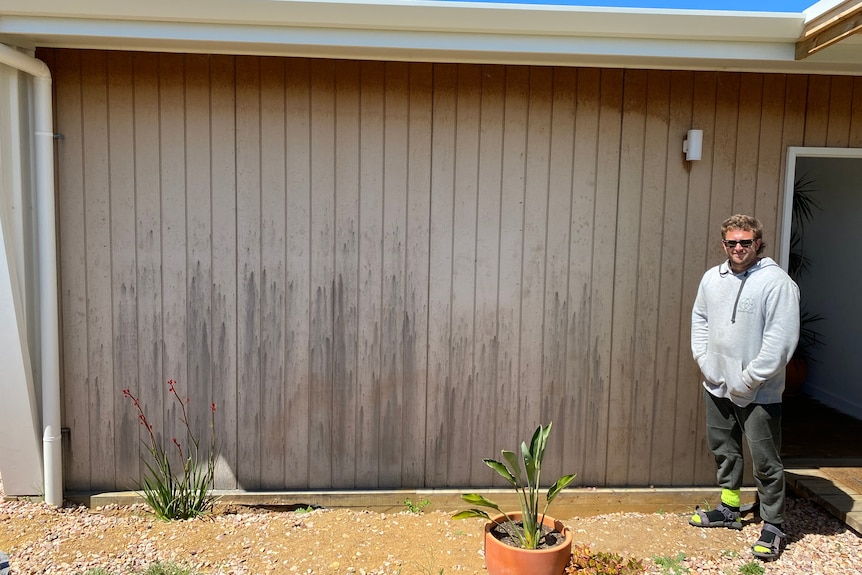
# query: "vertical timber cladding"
[[382, 272]]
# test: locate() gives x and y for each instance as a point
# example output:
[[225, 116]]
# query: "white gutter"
[[47, 248]]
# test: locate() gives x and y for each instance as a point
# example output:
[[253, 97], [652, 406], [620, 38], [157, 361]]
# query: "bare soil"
[[244, 540]]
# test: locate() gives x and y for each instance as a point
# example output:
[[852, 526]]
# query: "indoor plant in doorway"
[[524, 542], [803, 208]]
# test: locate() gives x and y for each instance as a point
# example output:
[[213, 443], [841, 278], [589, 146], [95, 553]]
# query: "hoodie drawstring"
[[739, 293]]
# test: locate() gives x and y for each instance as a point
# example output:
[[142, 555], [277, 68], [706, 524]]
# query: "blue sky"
[[748, 5]]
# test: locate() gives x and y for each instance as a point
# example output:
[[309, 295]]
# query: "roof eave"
[[426, 31]]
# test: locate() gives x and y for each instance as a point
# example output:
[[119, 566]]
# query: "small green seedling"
[[418, 507], [672, 565], [752, 568]]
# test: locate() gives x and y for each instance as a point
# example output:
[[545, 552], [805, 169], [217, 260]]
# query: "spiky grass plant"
[[529, 531], [186, 492]]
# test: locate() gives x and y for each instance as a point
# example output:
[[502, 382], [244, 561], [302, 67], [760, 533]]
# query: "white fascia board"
[[426, 46], [408, 30], [430, 16]]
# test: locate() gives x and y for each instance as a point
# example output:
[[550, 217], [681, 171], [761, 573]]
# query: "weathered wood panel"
[[222, 391], [647, 386], [266, 157], [623, 361], [73, 266], [383, 272], [148, 236], [174, 233], [672, 313], [297, 255], [321, 410], [462, 391], [395, 169], [557, 402], [506, 408], [416, 273], [598, 444], [121, 168], [701, 244], [346, 328], [441, 407], [97, 219], [486, 340], [250, 412], [582, 377]]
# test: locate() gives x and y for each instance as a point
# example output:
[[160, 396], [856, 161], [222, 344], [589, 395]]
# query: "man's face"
[[741, 258]]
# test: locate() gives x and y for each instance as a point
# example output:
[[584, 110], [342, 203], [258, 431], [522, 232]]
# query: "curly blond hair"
[[745, 223]]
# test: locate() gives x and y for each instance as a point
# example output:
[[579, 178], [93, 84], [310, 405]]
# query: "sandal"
[[721, 516], [768, 547]]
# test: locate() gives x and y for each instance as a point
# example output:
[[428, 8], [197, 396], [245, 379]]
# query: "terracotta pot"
[[502, 559], [795, 376]]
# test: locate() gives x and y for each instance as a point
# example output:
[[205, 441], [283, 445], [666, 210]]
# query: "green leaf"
[[529, 463], [476, 499], [512, 459], [501, 469], [561, 484], [470, 513]]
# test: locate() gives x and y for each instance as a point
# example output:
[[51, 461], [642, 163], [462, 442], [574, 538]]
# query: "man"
[[744, 329]]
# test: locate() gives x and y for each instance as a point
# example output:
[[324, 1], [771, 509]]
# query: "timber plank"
[[298, 268], [270, 133], [581, 248], [346, 331], [199, 249], [838, 123], [73, 268], [506, 411], [370, 246], [322, 251], [771, 157], [462, 391], [97, 223], [646, 411], [747, 143], [533, 263], [487, 212], [623, 377], [172, 120], [442, 444], [417, 254], [394, 381], [223, 316], [817, 110], [249, 412], [558, 403], [607, 182], [691, 461], [673, 316], [124, 286], [148, 249]]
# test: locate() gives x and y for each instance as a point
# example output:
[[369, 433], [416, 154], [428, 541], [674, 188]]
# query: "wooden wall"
[[382, 272]]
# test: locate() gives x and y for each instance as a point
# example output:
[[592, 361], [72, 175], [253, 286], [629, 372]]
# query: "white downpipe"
[[47, 247]]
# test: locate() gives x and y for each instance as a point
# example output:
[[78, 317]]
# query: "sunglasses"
[[732, 243]]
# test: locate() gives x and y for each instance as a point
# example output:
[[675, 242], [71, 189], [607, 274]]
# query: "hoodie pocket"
[[719, 369]]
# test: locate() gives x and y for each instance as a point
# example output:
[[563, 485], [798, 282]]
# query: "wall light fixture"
[[693, 145]]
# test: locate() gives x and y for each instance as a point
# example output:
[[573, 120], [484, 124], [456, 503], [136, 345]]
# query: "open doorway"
[[831, 285]]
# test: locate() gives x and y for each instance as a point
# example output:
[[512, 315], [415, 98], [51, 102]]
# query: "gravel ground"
[[122, 540]]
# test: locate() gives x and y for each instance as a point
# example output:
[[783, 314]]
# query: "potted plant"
[[803, 207], [526, 541]]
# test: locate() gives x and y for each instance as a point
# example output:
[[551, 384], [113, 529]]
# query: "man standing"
[[744, 329]]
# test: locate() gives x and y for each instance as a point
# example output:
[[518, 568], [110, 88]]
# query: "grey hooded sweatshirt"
[[744, 330]]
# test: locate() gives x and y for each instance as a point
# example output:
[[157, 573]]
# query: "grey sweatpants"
[[761, 423]]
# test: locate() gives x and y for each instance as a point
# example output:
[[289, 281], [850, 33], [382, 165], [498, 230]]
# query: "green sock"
[[731, 499]]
